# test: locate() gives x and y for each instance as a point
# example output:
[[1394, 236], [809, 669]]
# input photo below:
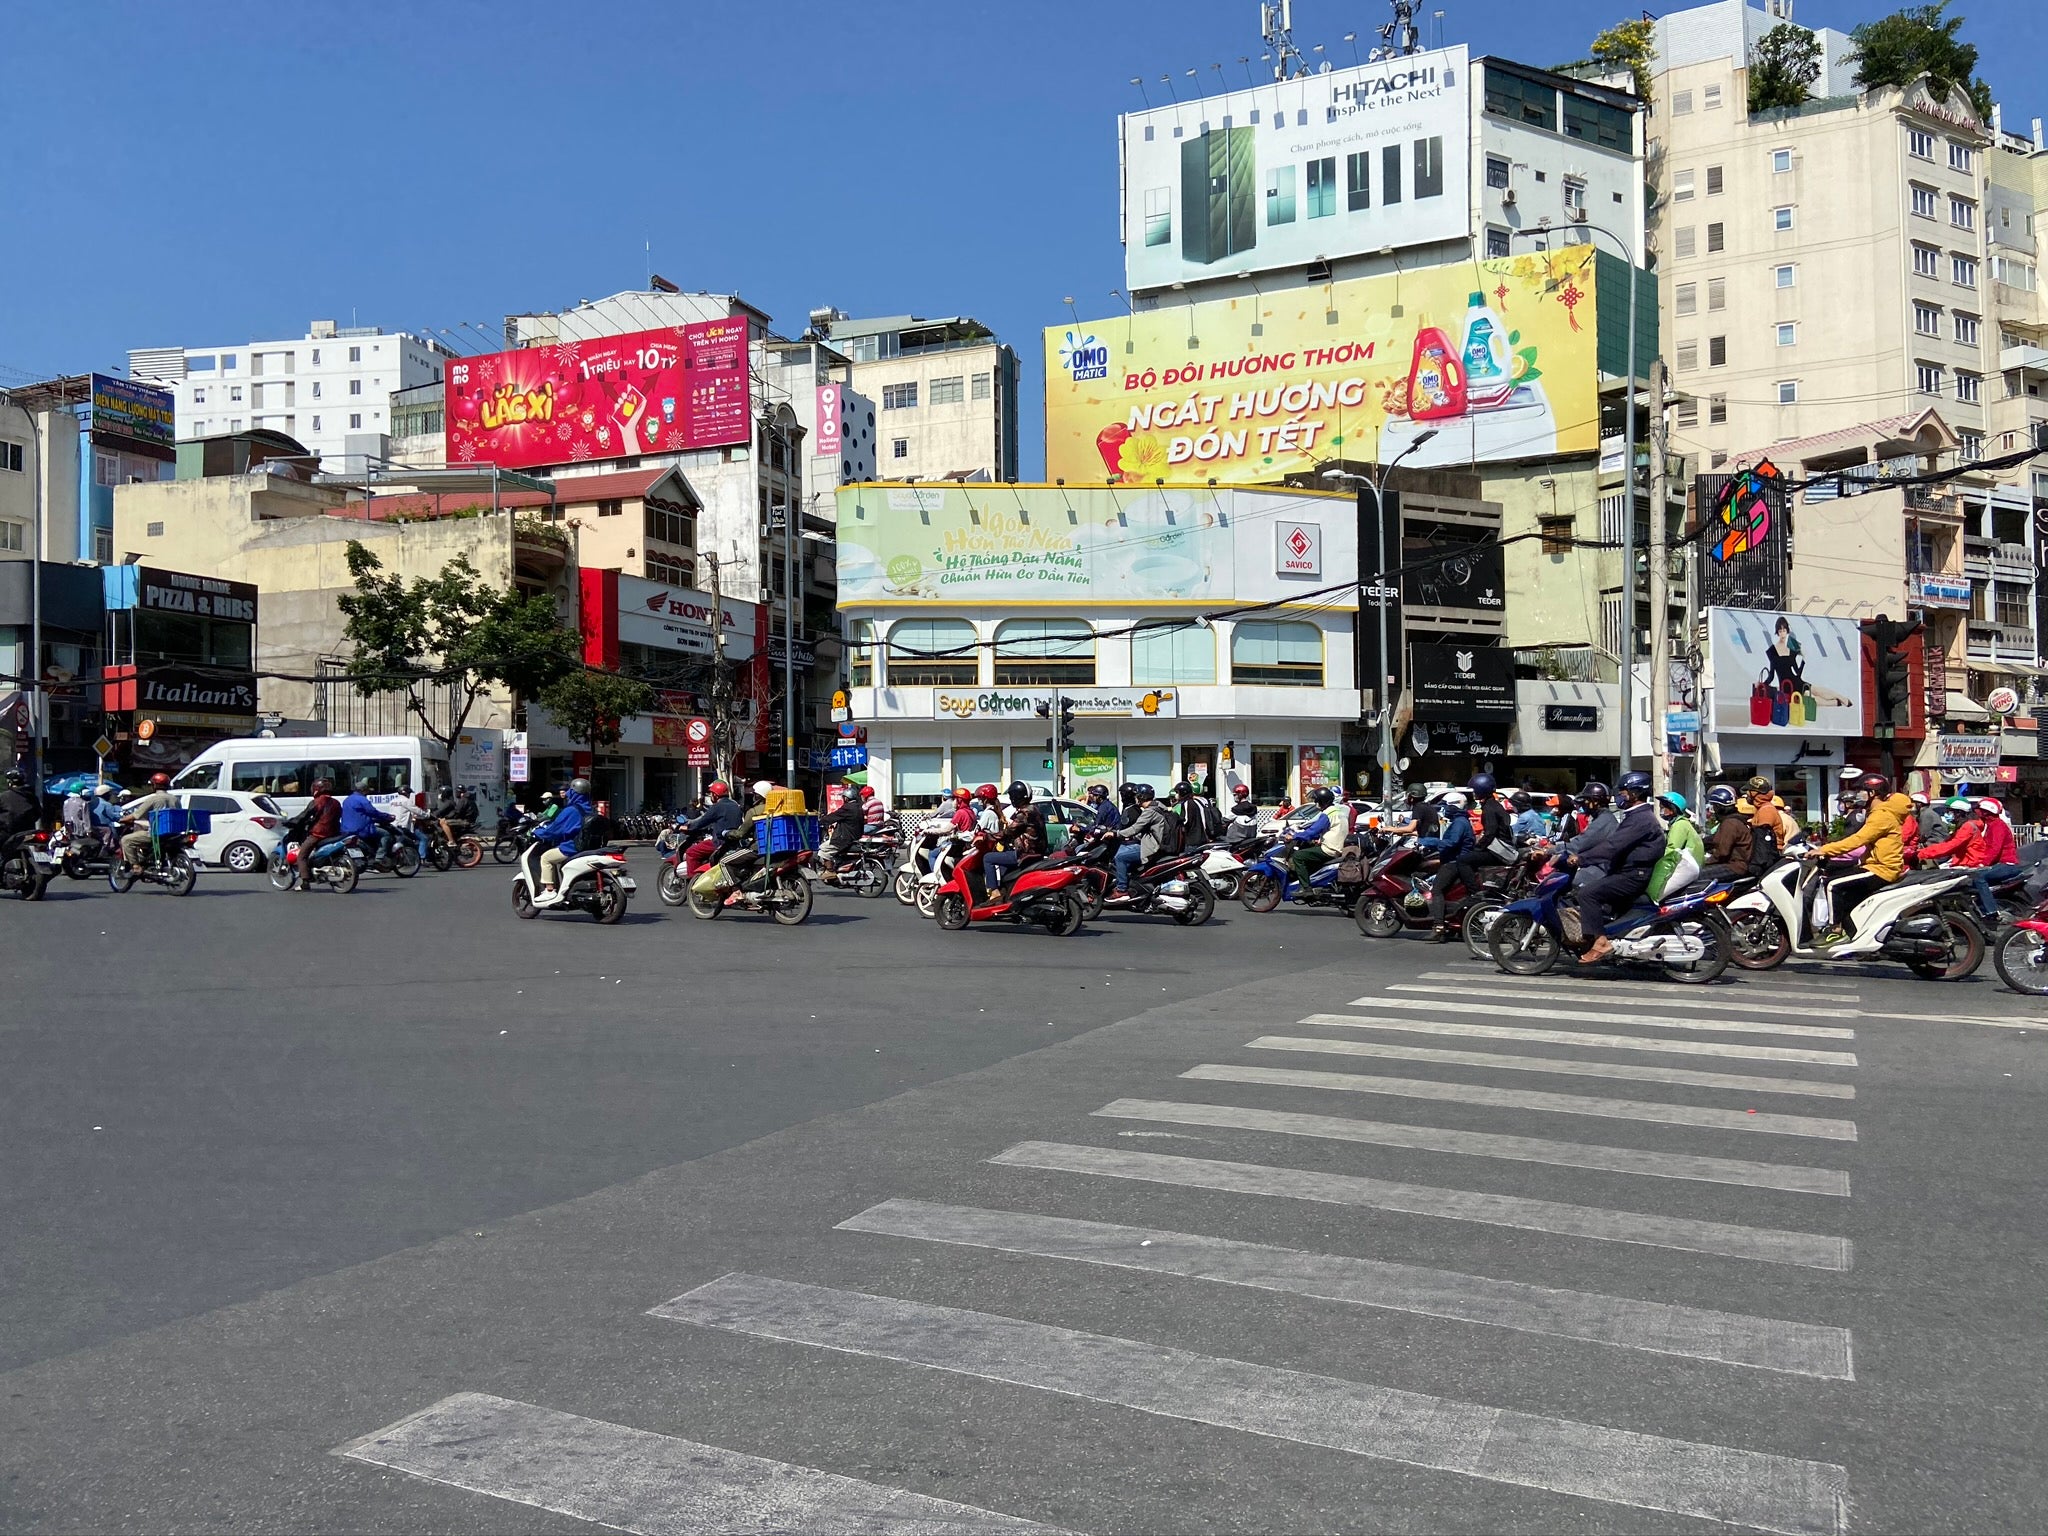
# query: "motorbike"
[[338, 871], [594, 881], [511, 839], [1269, 880], [863, 868], [2021, 954], [1172, 885], [926, 845], [945, 859], [398, 854], [464, 851], [1223, 866], [1925, 919], [171, 864], [1397, 892], [81, 859], [1686, 935], [745, 880], [26, 867], [1046, 893]]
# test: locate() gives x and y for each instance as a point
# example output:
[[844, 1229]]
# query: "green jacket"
[[1683, 838]]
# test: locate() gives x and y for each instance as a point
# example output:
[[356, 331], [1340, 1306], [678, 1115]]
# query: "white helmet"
[[105, 791], [762, 786], [1455, 799]]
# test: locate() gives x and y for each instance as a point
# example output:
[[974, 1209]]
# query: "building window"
[[933, 653], [1963, 270], [1717, 351], [1687, 298], [1574, 195], [1358, 179], [1717, 238], [1688, 412], [948, 391], [610, 508], [1688, 356], [1276, 654], [899, 448], [1681, 103], [1927, 376], [1969, 387], [1496, 172], [1781, 219], [1716, 184], [10, 456], [1961, 157], [103, 545], [1557, 533], [1785, 276], [355, 420], [2011, 607], [1322, 187], [899, 397], [671, 570], [1598, 123], [1685, 242], [1926, 320], [355, 354], [1781, 161], [316, 389], [355, 386], [1926, 201], [860, 653], [1788, 334], [978, 387], [1962, 213], [1717, 294], [1970, 445], [1966, 329], [1280, 195], [1032, 652], [234, 392], [199, 397], [1710, 98], [13, 537], [316, 423], [669, 522], [1926, 261], [1919, 144], [1497, 246], [1520, 99], [1174, 652], [1788, 392], [153, 530], [1717, 410], [1681, 186]]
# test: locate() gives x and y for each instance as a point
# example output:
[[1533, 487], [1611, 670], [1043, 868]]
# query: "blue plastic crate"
[[786, 834], [176, 821]]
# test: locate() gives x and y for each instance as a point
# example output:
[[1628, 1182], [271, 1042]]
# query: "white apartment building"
[[946, 389], [329, 389]]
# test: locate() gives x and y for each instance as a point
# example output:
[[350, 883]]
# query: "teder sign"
[[1462, 682]]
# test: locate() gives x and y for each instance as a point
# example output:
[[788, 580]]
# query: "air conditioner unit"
[[1578, 215]]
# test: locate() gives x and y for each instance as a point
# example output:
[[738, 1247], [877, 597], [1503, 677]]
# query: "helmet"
[[1324, 796], [107, 791], [1519, 799], [1242, 791], [1481, 784], [159, 781], [1721, 797], [762, 786], [963, 794], [1990, 807], [16, 779], [1959, 805], [1875, 785], [1142, 791], [1018, 794], [718, 789], [1917, 798], [1759, 785], [1636, 784], [579, 786], [1098, 788], [1674, 800], [867, 791], [1595, 794], [986, 792], [1455, 799]]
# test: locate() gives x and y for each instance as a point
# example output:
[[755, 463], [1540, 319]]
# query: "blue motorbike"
[[1687, 936], [1269, 880]]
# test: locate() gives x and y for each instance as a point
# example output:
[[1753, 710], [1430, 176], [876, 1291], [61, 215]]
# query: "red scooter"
[[1049, 895]]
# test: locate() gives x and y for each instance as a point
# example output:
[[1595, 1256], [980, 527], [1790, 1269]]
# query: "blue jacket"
[[1313, 830], [1530, 823], [359, 817], [1106, 816], [567, 823], [720, 818]]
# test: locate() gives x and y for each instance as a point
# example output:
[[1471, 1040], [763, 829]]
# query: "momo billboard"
[[678, 388], [1294, 171], [1498, 359], [978, 542]]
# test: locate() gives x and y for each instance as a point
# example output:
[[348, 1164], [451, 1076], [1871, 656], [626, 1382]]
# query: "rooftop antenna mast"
[[1401, 34], [1276, 26]]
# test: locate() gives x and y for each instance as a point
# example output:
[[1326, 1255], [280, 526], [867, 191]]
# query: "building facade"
[[946, 391]]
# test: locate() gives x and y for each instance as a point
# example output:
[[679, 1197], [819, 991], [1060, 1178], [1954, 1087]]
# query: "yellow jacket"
[[1880, 834]]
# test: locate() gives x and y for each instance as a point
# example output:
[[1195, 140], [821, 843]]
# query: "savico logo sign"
[[1084, 357], [1299, 549]]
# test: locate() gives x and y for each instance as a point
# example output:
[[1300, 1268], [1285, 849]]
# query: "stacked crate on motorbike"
[[179, 821], [775, 835]]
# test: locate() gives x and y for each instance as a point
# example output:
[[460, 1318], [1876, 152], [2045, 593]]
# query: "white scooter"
[[1922, 919], [926, 842], [594, 881], [925, 894]]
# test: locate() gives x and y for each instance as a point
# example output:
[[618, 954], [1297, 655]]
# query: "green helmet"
[[1673, 799], [1959, 805]]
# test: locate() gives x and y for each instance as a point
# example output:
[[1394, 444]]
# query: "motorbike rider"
[[1024, 837], [842, 829], [558, 835], [361, 819], [1771, 826], [986, 817], [407, 819], [1201, 823], [703, 833], [106, 812], [135, 844], [18, 810], [963, 810], [1527, 824], [1101, 807], [314, 827], [1984, 845], [1681, 839], [1728, 850], [1884, 852], [1143, 835], [1319, 839], [1457, 852], [1623, 858], [872, 812], [1244, 822]]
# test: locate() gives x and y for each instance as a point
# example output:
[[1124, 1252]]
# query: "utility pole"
[[1660, 589], [721, 730]]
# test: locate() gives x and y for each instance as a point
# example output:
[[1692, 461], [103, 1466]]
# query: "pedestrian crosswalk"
[[1463, 1156]]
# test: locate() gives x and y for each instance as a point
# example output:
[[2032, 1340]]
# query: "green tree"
[[1919, 40], [1628, 45], [453, 628], [1783, 68], [592, 706]]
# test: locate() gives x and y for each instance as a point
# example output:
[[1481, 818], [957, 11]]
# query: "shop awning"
[[1963, 707], [2005, 668]]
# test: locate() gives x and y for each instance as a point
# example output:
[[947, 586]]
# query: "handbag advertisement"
[[1788, 672]]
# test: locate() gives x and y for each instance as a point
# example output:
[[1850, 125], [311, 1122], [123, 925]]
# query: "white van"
[[284, 767]]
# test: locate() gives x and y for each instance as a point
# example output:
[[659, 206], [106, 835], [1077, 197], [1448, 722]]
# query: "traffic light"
[[1044, 712], [1890, 671], [1066, 716]]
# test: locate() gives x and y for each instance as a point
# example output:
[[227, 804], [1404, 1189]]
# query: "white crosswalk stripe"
[[1521, 1149], [1735, 1486], [1634, 1020], [1810, 1250], [1768, 1344], [1717, 1001], [1754, 1121], [1667, 1045], [632, 1480], [1571, 988], [1624, 1071]]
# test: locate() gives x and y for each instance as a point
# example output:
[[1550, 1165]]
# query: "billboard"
[[134, 416], [1497, 359], [978, 542], [1788, 672], [1472, 683], [1290, 172], [1745, 535], [662, 391]]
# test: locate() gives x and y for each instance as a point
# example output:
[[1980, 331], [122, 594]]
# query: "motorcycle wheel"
[[18, 877], [522, 900], [791, 900], [611, 898], [1225, 883], [1476, 922], [906, 885], [865, 877], [283, 875], [706, 907], [1259, 892], [469, 852], [1073, 912], [1720, 947], [2022, 961], [405, 860], [1965, 950], [1201, 904], [1760, 940], [180, 874], [1093, 896], [444, 858], [74, 868], [1377, 918], [505, 849], [343, 876], [671, 887], [120, 877], [926, 898], [1521, 946], [951, 911]]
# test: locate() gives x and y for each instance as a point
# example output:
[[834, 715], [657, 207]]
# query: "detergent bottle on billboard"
[[1436, 379], [1488, 378]]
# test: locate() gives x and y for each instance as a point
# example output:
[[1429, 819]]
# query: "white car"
[[244, 829]]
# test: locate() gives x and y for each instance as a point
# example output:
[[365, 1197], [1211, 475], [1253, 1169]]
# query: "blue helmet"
[[1721, 795], [1481, 784], [1635, 783]]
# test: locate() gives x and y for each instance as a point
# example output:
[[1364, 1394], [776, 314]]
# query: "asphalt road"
[[681, 1226]]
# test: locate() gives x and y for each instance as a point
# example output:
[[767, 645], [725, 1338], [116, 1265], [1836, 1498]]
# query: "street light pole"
[[1626, 759], [32, 674]]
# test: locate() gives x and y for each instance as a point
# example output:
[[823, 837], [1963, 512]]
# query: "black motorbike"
[[25, 866], [398, 854], [1171, 885], [170, 864]]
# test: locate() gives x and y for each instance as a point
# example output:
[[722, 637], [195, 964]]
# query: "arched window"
[[1287, 655], [860, 653], [937, 653], [1044, 651], [1172, 652]]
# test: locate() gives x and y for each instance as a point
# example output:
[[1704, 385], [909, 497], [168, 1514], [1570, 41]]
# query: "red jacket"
[[2000, 846], [1971, 845]]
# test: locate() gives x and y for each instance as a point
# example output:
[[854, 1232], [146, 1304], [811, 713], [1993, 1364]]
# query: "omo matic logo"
[[1084, 357]]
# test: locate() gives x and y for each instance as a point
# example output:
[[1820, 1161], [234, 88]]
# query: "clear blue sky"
[[461, 160]]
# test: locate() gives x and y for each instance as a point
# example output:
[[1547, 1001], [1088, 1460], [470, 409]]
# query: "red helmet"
[[867, 791], [159, 781], [963, 794], [986, 792], [719, 789]]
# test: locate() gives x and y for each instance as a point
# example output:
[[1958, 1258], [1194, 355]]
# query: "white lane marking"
[[1614, 1466], [1661, 1045], [1729, 1338], [1716, 1003], [1636, 1020], [632, 1480], [1544, 1103], [1780, 985], [2039, 1021], [1624, 1071], [1765, 1245]]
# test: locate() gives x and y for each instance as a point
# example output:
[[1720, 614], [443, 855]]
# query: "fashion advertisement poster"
[[1786, 672]]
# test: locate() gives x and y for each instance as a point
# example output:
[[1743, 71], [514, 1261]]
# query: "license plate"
[[626, 884]]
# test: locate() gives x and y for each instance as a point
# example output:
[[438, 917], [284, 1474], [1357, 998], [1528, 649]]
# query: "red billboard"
[[662, 391]]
